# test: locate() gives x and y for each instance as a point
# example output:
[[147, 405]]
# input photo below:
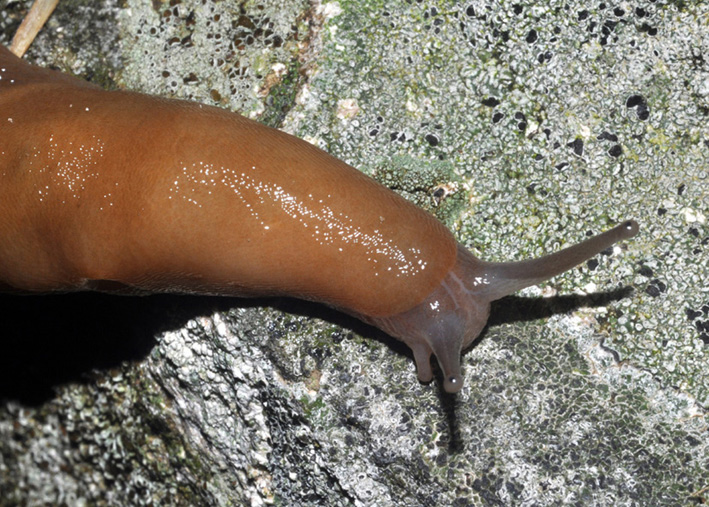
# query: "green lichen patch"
[[431, 185], [221, 53]]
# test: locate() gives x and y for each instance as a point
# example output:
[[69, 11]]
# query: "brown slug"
[[120, 191]]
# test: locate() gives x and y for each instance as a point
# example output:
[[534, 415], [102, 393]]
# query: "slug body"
[[124, 192]]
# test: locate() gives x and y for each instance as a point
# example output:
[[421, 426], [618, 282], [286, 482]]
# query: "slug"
[[124, 192]]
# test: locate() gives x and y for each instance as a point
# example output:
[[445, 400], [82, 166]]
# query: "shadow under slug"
[[48, 340]]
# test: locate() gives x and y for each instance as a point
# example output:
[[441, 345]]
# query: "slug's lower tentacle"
[[422, 356], [444, 324]]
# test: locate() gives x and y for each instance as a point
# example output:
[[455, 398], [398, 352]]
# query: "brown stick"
[[31, 25]]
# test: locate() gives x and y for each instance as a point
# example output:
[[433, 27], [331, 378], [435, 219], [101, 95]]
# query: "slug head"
[[445, 323], [455, 313]]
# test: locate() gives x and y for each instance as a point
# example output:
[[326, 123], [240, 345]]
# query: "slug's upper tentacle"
[[455, 313], [505, 278]]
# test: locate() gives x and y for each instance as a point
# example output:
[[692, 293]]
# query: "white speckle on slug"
[[67, 166], [328, 226]]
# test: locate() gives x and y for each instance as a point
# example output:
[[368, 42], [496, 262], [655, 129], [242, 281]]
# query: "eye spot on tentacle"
[[631, 226]]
